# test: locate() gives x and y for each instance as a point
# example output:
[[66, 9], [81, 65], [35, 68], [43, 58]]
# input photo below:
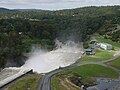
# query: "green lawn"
[[25, 83], [115, 63], [115, 44], [56, 85], [92, 59], [86, 72], [99, 56], [104, 53], [93, 70]]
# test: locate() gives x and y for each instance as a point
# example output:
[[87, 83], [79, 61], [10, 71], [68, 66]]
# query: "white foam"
[[43, 62]]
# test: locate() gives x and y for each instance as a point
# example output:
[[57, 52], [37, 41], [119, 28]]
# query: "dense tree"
[[20, 29]]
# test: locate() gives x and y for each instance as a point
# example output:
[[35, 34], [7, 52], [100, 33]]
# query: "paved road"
[[103, 63], [45, 83]]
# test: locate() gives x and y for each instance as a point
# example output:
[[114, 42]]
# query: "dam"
[[8, 75]]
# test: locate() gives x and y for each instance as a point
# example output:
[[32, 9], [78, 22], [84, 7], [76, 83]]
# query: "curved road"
[[45, 82]]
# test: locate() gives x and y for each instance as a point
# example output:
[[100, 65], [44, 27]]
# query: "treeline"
[[20, 30], [17, 36]]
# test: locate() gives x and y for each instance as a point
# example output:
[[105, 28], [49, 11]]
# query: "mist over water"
[[45, 61]]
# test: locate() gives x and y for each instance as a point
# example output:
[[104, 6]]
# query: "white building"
[[106, 46]]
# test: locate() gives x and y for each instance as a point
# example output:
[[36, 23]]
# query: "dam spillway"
[[8, 75]]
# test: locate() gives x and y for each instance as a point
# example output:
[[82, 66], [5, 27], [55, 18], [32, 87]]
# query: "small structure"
[[106, 46], [93, 44], [89, 52], [93, 41]]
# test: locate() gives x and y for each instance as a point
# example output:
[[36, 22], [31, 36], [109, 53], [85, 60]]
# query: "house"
[[106, 46]]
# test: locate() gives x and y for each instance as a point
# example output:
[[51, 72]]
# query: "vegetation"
[[20, 29], [73, 78], [104, 53], [93, 59], [99, 56], [19, 35], [56, 85], [115, 63], [82, 75], [93, 70], [25, 83]]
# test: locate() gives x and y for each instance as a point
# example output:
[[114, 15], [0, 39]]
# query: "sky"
[[54, 4]]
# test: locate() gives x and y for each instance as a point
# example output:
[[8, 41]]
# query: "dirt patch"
[[68, 85]]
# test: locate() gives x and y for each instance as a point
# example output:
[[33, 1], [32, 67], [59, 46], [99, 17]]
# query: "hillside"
[[29, 10], [4, 10], [20, 29]]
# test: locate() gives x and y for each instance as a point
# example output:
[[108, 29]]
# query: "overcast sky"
[[54, 4]]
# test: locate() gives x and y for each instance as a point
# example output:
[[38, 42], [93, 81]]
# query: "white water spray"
[[46, 61]]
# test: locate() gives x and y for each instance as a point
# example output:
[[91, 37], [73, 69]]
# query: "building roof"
[[106, 44], [89, 50]]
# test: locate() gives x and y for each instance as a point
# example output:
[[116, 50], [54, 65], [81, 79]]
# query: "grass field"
[[104, 53], [115, 44], [56, 85], [61, 82], [93, 70], [26, 83], [86, 72], [99, 56], [115, 63], [92, 59]]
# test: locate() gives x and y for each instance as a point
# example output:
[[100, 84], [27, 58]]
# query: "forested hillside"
[[20, 29]]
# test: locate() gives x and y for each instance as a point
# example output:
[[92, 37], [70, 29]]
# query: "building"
[[89, 52], [106, 46]]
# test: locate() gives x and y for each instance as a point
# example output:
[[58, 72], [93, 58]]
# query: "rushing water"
[[45, 61]]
